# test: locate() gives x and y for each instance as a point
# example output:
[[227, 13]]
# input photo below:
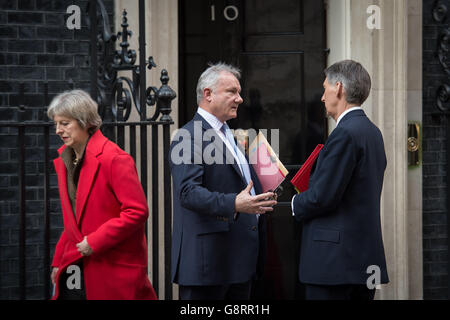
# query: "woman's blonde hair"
[[78, 105]]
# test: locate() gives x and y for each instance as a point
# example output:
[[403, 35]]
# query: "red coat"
[[111, 210]]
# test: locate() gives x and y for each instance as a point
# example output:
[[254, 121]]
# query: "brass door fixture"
[[414, 144]]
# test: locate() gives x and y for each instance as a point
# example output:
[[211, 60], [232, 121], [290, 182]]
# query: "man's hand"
[[259, 204], [84, 248]]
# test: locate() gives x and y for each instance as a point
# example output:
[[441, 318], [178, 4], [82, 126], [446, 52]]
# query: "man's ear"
[[207, 94], [339, 89]]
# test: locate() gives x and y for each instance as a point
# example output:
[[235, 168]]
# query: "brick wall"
[[435, 167], [35, 47]]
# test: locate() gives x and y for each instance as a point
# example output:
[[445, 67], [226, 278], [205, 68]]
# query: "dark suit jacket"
[[341, 234], [210, 246]]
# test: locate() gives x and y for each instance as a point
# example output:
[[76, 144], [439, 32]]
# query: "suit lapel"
[[228, 155], [220, 146]]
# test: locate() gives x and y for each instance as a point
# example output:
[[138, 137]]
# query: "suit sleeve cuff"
[[292, 205]]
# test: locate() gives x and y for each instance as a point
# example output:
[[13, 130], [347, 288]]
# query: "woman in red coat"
[[102, 252]]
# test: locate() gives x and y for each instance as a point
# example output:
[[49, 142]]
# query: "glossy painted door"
[[280, 47]]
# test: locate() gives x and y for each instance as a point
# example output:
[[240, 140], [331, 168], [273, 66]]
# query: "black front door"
[[280, 47]]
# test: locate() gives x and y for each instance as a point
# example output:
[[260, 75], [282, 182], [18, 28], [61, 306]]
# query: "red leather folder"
[[301, 179]]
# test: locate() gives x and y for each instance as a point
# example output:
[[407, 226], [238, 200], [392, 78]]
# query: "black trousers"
[[66, 292], [339, 292], [238, 291]]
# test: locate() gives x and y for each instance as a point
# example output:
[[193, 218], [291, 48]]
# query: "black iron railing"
[[121, 93], [22, 127]]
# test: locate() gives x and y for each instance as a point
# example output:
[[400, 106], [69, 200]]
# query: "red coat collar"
[[89, 169], [95, 144]]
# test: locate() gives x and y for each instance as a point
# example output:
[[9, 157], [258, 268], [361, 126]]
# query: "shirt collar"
[[210, 118], [345, 112]]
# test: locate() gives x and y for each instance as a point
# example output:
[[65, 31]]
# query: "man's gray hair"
[[209, 77], [78, 105], [354, 78]]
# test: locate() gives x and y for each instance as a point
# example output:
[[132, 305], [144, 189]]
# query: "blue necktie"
[[243, 164]]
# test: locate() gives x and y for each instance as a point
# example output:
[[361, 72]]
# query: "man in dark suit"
[[342, 254], [218, 223]]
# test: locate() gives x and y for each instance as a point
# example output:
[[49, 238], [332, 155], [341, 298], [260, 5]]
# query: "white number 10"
[[226, 13]]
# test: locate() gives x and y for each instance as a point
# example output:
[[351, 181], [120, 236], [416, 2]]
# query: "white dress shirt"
[[216, 124]]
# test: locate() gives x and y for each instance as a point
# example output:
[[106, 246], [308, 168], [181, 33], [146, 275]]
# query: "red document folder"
[[301, 179]]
